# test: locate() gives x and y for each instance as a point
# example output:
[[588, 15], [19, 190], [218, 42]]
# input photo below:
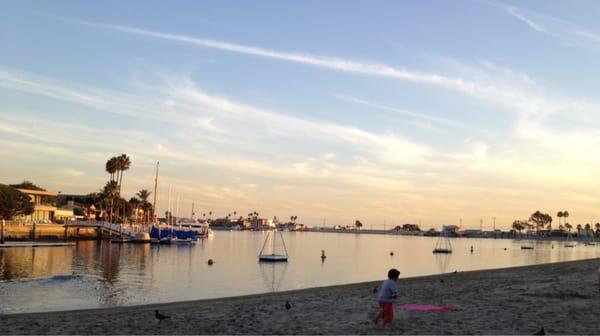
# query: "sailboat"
[[590, 238], [443, 244], [528, 244], [570, 242], [272, 256]]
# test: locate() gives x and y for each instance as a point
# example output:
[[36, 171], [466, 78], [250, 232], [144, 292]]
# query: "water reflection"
[[443, 261], [273, 274]]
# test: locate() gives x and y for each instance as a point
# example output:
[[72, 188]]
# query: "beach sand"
[[562, 297]]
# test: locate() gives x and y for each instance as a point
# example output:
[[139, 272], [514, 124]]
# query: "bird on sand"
[[287, 305], [540, 332], [160, 317]]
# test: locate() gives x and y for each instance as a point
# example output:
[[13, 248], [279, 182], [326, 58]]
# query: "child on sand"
[[387, 293]]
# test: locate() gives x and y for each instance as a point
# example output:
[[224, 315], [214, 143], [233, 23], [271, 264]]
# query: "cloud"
[[416, 115], [487, 91], [517, 14]]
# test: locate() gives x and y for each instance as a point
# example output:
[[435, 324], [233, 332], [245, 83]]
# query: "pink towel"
[[420, 307]]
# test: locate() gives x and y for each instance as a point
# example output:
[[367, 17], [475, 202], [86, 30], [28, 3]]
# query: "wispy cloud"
[[568, 32], [482, 90], [518, 14], [416, 115]]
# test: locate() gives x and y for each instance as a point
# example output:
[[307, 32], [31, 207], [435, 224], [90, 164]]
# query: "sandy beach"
[[562, 297]]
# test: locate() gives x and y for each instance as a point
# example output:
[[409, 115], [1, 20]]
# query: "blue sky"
[[390, 112]]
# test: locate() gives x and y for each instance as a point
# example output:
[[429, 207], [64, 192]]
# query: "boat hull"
[[273, 258]]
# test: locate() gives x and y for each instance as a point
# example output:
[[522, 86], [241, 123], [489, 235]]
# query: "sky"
[[388, 112]]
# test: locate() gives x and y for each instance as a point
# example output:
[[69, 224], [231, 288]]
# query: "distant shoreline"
[[515, 300], [421, 234]]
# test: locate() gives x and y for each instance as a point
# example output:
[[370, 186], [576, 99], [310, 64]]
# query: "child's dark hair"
[[393, 273]]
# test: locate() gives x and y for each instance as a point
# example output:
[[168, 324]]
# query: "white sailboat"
[[270, 255], [590, 238], [527, 244], [570, 242], [443, 244]]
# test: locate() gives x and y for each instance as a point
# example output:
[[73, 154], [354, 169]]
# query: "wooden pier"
[[34, 244]]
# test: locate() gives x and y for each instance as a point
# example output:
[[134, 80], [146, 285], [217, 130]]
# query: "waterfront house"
[[44, 206]]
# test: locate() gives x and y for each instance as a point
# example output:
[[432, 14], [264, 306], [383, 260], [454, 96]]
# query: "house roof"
[[37, 192]]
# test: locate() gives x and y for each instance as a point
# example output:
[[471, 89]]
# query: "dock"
[[35, 244]]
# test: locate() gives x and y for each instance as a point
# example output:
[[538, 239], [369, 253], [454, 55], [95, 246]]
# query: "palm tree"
[[519, 226], [578, 229], [124, 163], [565, 214], [588, 227], [111, 167], [569, 227], [110, 193], [143, 195], [135, 203], [559, 215]]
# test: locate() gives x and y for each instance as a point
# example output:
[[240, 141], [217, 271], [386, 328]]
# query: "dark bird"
[[540, 332], [287, 305], [375, 290], [160, 317], [210, 262], [392, 253]]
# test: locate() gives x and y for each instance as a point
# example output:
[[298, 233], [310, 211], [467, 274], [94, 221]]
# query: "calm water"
[[102, 274]]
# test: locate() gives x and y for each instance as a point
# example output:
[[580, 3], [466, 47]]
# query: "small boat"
[[273, 256], [140, 237]]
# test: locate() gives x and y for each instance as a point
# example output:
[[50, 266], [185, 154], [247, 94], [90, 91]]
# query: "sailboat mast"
[[155, 188], [177, 212]]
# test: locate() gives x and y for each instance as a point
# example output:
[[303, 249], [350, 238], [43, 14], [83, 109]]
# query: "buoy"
[[210, 261], [392, 253]]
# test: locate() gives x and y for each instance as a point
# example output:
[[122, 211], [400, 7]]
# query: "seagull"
[[287, 305], [160, 317], [540, 332]]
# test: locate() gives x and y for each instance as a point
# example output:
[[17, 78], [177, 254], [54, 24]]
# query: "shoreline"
[[350, 304]]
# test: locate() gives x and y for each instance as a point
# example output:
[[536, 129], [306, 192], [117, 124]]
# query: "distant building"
[[450, 230], [471, 233], [44, 206]]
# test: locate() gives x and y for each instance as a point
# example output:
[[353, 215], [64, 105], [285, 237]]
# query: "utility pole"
[[155, 191]]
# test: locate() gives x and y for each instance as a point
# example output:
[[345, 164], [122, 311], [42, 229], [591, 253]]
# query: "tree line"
[[539, 221]]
